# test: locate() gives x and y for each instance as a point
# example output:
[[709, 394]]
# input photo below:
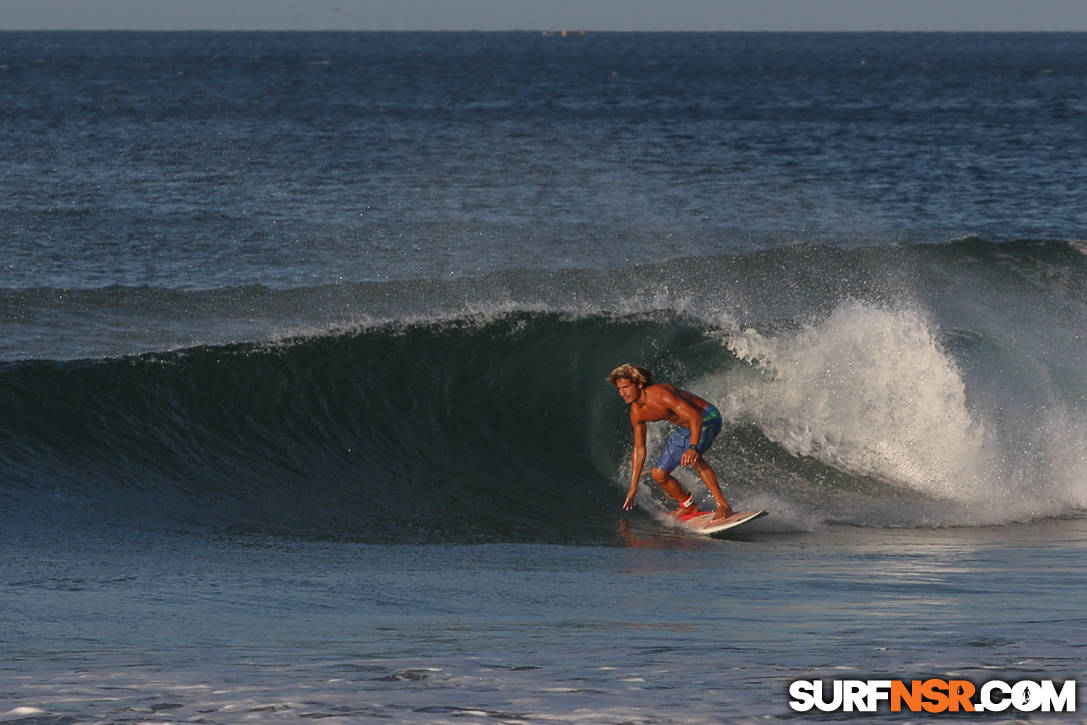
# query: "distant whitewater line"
[[962, 282]]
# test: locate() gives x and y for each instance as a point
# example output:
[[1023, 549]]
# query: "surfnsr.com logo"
[[933, 696]]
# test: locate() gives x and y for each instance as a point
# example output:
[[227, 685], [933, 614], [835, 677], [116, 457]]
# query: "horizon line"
[[573, 32]]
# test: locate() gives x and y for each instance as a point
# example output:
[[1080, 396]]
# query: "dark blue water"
[[210, 160], [303, 340]]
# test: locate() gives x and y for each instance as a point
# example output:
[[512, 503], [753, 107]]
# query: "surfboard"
[[703, 523]]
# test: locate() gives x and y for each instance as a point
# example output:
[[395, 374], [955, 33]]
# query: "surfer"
[[696, 420]]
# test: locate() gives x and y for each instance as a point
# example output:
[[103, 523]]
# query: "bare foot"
[[721, 514]]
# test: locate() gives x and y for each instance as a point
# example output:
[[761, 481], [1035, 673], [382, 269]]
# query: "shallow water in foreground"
[[664, 628]]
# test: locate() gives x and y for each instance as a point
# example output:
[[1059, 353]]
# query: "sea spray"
[[872, 392], [869, 391]]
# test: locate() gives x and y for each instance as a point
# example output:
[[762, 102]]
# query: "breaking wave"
[[500, 427]]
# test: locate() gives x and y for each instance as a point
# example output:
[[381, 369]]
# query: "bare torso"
[[649, 403], [666, 402]]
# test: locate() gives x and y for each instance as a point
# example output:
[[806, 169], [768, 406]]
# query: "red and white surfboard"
[[703, 523]]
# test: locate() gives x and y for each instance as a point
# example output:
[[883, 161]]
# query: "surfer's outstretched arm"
[[637, 461]]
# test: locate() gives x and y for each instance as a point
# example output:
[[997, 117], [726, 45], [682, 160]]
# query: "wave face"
[[468, 429], [865, 404]]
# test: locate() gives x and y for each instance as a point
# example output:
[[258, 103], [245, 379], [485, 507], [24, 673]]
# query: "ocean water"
[[303, 340]]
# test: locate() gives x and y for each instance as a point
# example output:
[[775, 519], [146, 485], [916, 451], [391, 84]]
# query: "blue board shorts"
[[680, 440]]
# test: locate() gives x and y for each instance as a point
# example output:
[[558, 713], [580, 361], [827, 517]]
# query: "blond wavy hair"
[[634, 373]]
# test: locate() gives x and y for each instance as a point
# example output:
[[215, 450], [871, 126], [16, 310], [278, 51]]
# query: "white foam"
[[868, 391], [871, 391]]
